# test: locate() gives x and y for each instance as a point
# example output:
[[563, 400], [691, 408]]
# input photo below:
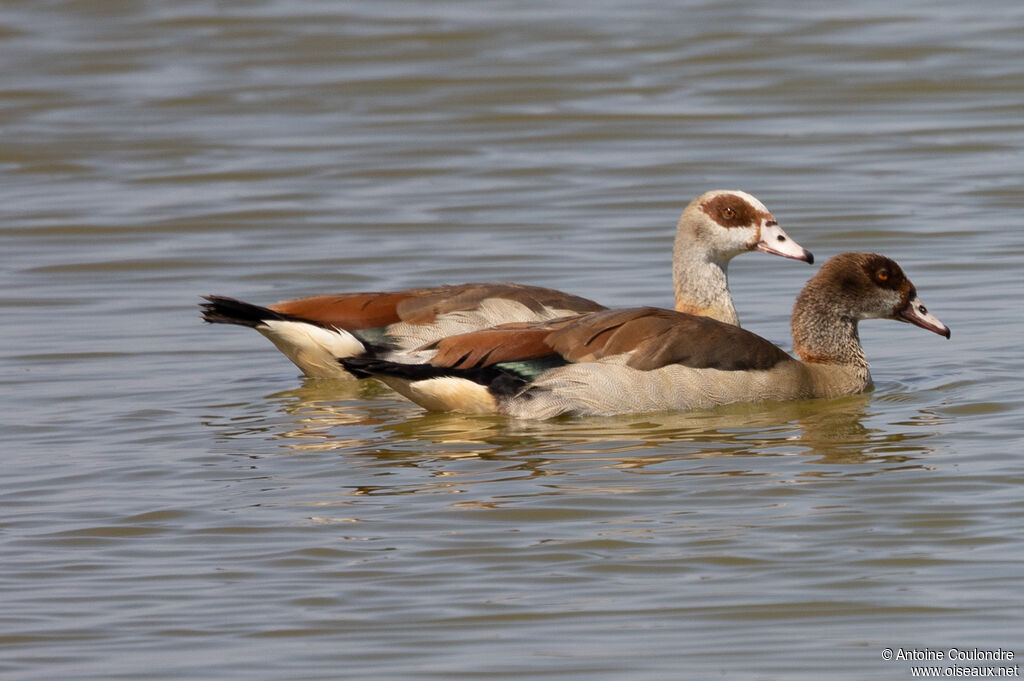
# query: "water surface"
[[179, 504]]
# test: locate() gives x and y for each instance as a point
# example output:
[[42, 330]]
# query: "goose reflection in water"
[[836, 431]]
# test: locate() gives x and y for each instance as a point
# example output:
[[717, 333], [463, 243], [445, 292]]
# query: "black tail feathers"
[[498, 380], [368, 367], [224, 310]]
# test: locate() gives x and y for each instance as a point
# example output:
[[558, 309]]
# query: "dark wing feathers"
[[515, 342], [655, 337], [658, 337], [700, 346]]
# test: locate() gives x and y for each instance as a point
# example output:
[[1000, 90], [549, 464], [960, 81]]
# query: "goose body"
[[650, 359], [315, 332]]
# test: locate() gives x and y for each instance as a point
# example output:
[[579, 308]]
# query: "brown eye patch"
[[884, 272], [729, 210]]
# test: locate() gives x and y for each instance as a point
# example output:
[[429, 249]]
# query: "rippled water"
[[178, 504]]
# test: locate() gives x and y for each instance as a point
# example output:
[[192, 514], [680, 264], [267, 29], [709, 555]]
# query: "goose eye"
[[882, 275], [729, 212]]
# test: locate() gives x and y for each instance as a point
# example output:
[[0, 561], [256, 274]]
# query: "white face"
[[731, 221], [738, 222]]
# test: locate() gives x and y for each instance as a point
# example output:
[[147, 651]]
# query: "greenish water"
[[178, 504]]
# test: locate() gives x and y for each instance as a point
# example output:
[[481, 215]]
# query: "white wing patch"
[[490, 312]]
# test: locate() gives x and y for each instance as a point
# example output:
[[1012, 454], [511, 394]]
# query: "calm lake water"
[[178, 504]]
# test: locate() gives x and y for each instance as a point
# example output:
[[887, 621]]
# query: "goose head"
[[851, 287], [727, 223], [872, 286]]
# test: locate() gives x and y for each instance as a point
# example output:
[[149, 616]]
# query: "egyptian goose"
[[314, 332], [649, 359]]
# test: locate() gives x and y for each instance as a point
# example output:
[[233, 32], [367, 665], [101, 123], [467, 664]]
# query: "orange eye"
[[882, 275], [729, 212]]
